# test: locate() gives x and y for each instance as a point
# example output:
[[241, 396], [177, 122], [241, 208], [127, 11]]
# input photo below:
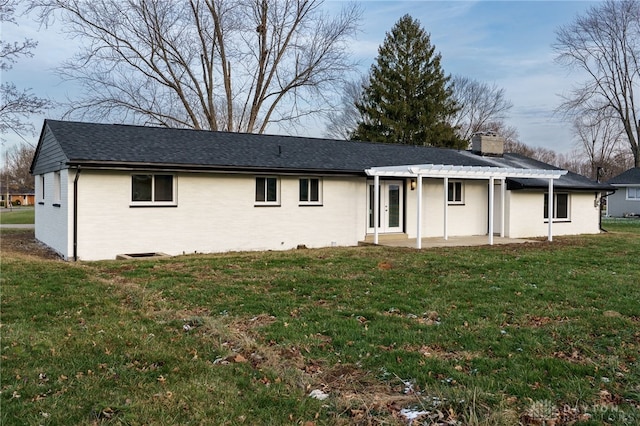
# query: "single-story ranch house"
[[105, 189], [626, 201]]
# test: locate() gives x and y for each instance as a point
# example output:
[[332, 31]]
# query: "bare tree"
[[344, 119], [605, 43], [599, 138], [234, 65], [483, 107], [15, 176], [16, 105]]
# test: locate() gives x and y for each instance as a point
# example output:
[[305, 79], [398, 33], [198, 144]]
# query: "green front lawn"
[[17, 215], [621, 225], [534, 333]]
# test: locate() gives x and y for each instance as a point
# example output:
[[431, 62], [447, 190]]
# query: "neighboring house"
[[104, 190], [18, 198], [626, 200]]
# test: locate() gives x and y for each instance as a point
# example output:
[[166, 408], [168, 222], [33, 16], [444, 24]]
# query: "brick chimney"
[[487, 143]]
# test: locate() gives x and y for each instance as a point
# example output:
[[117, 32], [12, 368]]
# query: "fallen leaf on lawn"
[[239, 358], [385, 266]]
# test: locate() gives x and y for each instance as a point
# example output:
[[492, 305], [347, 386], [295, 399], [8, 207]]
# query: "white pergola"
[[446, 172]]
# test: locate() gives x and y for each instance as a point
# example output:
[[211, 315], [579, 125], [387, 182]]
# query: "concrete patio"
[[401, 240]]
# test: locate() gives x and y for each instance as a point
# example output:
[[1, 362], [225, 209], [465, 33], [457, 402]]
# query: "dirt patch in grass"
[[355, 395], [24, 243], [537, 321]]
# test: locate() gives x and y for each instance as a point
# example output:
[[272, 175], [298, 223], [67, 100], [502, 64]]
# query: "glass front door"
[[390, 216]]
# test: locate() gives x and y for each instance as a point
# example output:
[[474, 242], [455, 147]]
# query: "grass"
[[535, 333], [621, 224], [17, 215]]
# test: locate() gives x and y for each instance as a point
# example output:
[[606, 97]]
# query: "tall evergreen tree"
[[408, 99]]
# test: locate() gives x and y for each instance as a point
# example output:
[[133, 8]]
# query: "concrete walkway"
[[17, 226]]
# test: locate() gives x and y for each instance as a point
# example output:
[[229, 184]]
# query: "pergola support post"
[[376, 207], [491, 197], [550, 210], [503, 194], [445, 232], [419, 214]]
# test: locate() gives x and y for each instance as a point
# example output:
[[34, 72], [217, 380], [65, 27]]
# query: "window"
[[152, 189], [455, 193], [310, 191], [267, 191], [41, 189], [560, 206], [633, 193], [57, 189]]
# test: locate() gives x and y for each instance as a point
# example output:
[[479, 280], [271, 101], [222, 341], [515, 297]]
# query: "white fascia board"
[[463, 172], [395, 171]]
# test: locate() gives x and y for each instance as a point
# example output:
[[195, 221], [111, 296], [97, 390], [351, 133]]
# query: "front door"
[[391, 215]]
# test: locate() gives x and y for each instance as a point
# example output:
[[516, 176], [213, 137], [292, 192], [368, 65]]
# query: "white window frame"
[[457, 196], [308, 201], [636, 196], [265, 183], [153, 202], [555, 207]]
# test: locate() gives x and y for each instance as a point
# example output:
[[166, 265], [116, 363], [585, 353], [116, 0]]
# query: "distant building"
[[626, 201]]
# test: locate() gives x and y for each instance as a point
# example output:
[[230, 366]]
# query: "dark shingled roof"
[[630, 177], [115, 145]]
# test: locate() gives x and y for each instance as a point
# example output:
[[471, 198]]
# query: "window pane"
[[57, 189], [304, 189], [371, 202], [454, 192], [260, 189], [315, 190], [562, 206], [394, 206], [141, 188], [272, 189], [546, 206], [163, 190]]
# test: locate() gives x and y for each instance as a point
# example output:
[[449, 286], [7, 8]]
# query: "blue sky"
[[507, 43]]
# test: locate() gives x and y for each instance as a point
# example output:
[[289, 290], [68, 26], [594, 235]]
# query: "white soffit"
[[462, 172]]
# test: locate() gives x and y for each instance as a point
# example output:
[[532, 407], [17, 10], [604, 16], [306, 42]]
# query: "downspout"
[[603, 195], [75, 215]]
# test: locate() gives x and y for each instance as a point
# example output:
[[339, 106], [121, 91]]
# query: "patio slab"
[[402, 240]]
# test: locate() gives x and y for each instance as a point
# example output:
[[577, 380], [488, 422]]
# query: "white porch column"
[[376, 207], [419, 214], [550, 210], [491, 196], [445, 232], [503, 194]]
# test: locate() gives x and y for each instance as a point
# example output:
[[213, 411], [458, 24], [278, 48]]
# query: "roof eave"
[[204, 168]]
